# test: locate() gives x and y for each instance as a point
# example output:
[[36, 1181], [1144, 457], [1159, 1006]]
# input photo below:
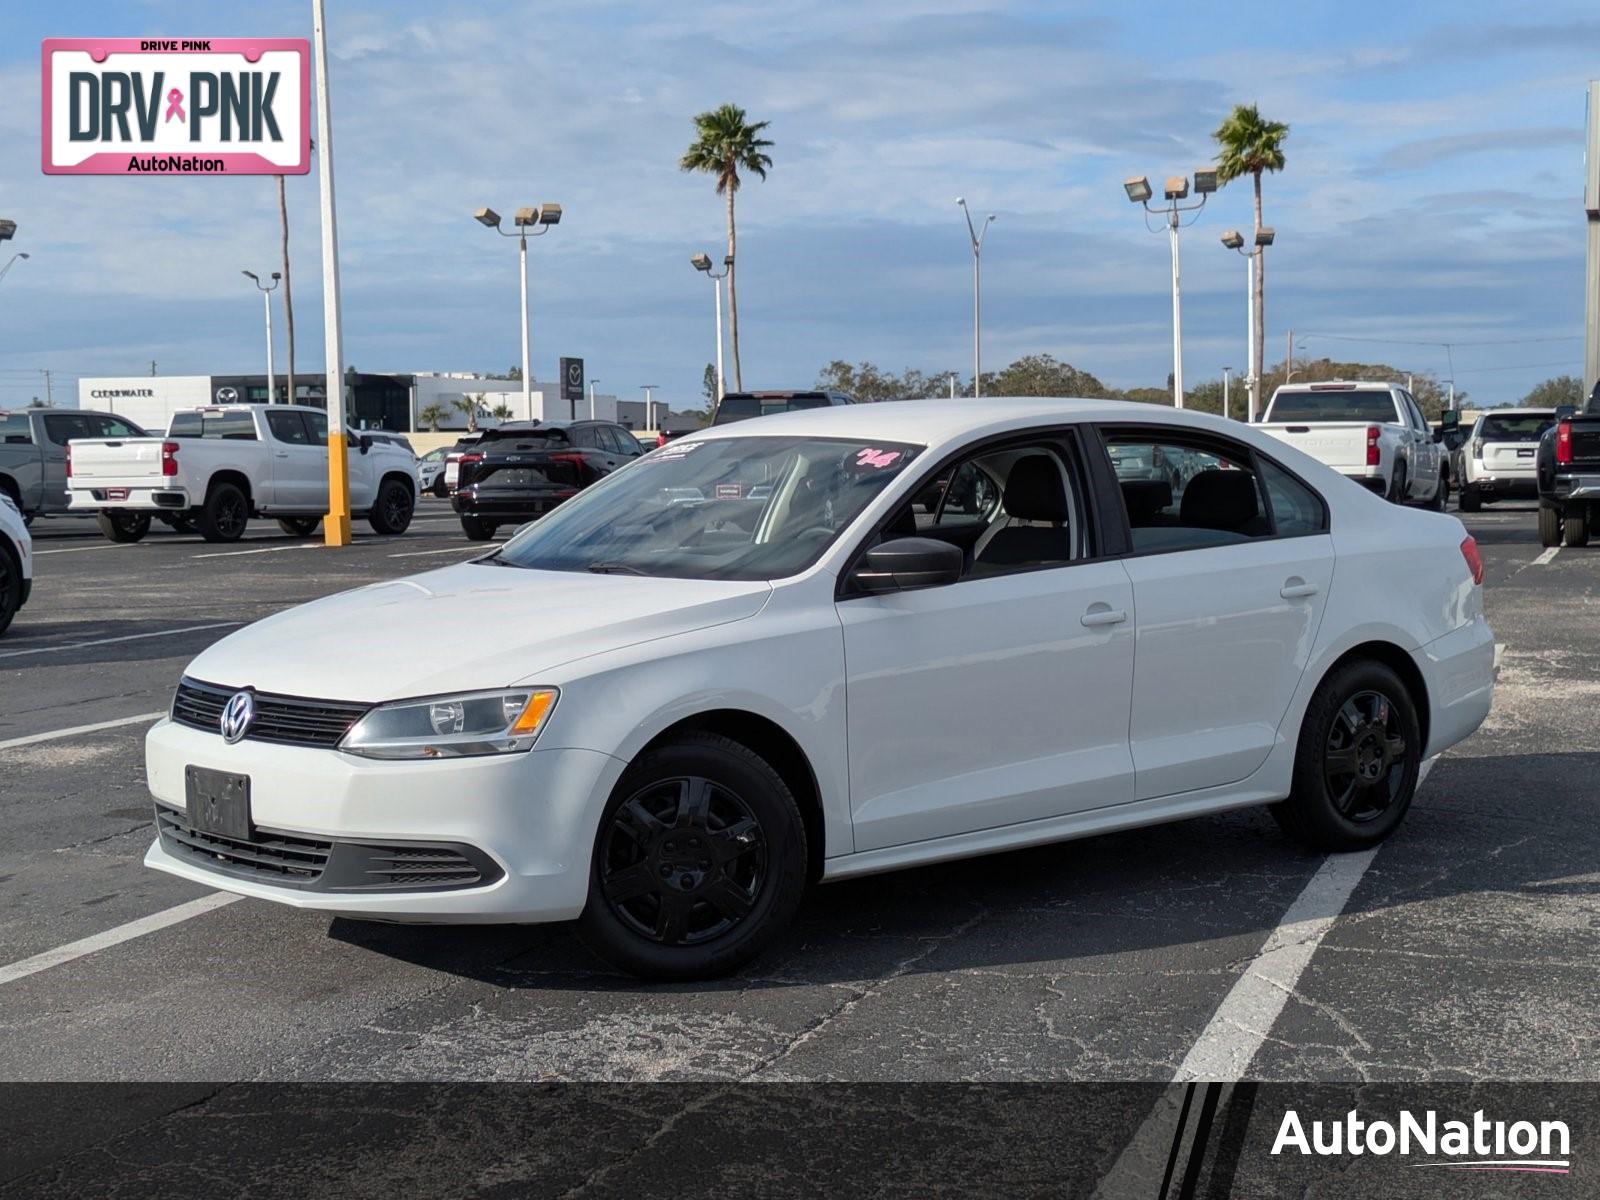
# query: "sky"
[[1433, 190]]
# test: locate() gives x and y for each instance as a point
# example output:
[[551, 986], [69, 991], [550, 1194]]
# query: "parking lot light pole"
[[592, 382], [336, 525], [649, 405], [539, 218], [702, 262], [266, 307], [22, 254], [1234, 240], [1174, 193], [975, 235]]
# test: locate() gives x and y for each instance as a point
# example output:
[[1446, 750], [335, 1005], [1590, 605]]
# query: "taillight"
[[571, 458], [1477, 448], [169, 459], [1469, 551], [1564, 443], [469, 458], [69, 460], [1372, 445], [661, 440]]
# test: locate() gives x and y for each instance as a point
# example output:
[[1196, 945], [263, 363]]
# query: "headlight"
[[453, 726]]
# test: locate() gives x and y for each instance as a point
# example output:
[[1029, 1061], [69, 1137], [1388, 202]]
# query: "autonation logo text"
[[1476, 1145]]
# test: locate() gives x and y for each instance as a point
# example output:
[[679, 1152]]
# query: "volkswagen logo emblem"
[[237, 716]]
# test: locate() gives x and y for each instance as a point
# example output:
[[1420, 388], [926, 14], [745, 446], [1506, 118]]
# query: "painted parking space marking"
[[34, 739], [477, 548], [82, 549], [1547, 557], [127, 637], [167, 917], [1244, 1019], [262, 550]]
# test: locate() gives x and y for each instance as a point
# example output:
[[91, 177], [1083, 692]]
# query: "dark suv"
[[741, 406], [523, 469]]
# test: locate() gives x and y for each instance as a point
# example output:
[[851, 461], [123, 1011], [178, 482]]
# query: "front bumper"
[[532, 817]]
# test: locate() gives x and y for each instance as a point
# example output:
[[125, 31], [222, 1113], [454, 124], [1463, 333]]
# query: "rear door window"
[[1185, 496], [288, 427], [114, 427], [15, 429]]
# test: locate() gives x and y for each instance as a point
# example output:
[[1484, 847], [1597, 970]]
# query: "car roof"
[[1517, 412], [933, 422], [1338, 385]]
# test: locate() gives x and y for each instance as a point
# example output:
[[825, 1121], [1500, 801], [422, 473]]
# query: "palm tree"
[[1248, 145], [473, 406], [502, 411], [288, 289], [431, 416], [725, 144]]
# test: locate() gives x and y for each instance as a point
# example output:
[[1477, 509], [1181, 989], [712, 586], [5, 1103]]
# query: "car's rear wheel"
[[10, 588], [440, 488], [700, 861], [1397, 484], [1441, 496], [1357, 761], [224, 515], [122, 526], [1549, 526], [299, 526], [391, 510], [477, 529], [1577, 525]]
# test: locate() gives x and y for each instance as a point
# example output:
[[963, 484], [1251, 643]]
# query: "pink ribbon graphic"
[[175, 106]]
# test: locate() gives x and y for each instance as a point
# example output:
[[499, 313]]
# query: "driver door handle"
[[1297, 589], [1101, 614], [280, 454]]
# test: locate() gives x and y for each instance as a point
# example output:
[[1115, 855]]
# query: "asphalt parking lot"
[[1460, 950]]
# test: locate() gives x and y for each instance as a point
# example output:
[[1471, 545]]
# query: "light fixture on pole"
[[702, 262], [22, 254], [266, 307], [1234, 240], [649, 405], [1175, 191], [975, 235], [539, 218]]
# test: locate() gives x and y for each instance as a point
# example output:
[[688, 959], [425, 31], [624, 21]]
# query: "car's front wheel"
[[1357, 761], [699, 863], [10, 588], [391, 511]]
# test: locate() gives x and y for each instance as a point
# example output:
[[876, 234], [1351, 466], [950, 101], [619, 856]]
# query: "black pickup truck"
[[1568, 466], [523, 469]]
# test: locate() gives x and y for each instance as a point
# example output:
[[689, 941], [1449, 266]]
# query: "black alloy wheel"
[[1357, 760], [224, 515], [1365, 758], [391, 511], [699, 861], [682, 861]]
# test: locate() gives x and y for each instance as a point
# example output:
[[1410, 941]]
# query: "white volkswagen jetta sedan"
[[829, 643]]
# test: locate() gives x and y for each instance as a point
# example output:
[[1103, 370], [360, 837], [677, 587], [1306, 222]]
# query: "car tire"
[[392, 508], [1398, 484], [698, 864], [1576, 525], [1549, 526], [1470, 500], [477, 529], [10, 587], [1361, 718], [299, 526], [178, 522], [440, 488], [122, 526], [1441, 496], [224, 515]]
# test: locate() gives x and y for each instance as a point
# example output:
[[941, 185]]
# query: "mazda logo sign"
[[227, 395], [237, 716]]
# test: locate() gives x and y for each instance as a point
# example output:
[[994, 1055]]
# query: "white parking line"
[[477, 547], [24, 967], [1545, 558], [129, 637], [1244, 1019], [35, 738], [81, 549], [263, 550]]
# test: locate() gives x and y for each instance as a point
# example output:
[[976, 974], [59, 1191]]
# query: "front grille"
[[285, 720], [275, 857]]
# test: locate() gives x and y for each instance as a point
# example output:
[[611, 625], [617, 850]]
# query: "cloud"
[[1428, 151]]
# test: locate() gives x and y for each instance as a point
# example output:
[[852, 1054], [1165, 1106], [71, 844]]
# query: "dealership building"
[[410, 402]]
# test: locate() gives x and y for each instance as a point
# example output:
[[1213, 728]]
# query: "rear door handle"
[[1100, 614], [1297, 589], [280, 454]]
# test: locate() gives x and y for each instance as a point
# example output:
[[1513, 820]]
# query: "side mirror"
[[365, 442], [904, 564], [1450, 418]]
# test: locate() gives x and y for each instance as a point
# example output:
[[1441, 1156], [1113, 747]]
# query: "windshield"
[[1369, 405], [727, 508], [739, 407], [1525, 427]]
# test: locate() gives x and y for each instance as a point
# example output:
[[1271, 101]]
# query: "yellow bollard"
[[336, 525]]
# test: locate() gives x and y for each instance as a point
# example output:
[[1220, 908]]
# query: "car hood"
[[461, 628]]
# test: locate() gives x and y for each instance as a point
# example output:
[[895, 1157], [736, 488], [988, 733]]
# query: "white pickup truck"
[[217, 467], [1373, 433]]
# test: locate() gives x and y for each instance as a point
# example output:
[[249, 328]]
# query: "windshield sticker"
[[877, 459], [671, 450], [729, 491]]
